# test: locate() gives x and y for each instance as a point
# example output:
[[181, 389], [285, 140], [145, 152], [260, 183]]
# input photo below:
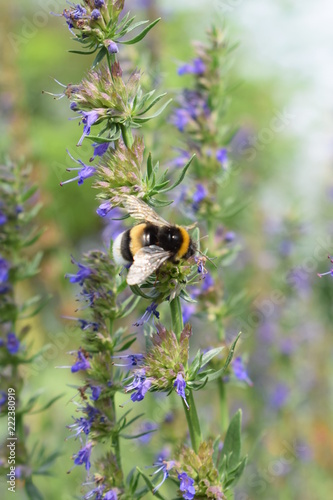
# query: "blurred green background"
[[282, 104]]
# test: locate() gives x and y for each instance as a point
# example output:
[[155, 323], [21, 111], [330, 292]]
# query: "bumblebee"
[[150, 243]]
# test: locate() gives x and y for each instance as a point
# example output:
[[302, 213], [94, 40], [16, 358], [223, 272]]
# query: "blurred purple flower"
[[180, 386], [279, 396], [99, 149], [199, 195], [81, 362], [89, 118], [186, 486], [197, 67], [13, 343], [222, 156], [83, 273], [240, 370], [83, 456], [150, 311]]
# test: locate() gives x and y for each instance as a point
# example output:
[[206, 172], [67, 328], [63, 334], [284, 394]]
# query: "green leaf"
[[138, 291], [99, 57], [232, 442], [153, 102], [82, 52], [210, 355], [47, 405], [149, 484], [180, 178], [149, 166], [139, 120], [32, 492], [30, 192], [141, 35], [126, 436]]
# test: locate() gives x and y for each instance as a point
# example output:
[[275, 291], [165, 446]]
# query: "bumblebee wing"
[[146, 261], [139, 210]]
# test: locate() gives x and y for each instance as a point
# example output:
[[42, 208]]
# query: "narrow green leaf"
[[153, 102], [139, 120], [141, 35], [149, 166], [47, 405], [127, 436], [82, 52], [100, 56], [150, 484], [232, 442], [32, 492], [30, 192], [210, 355], [180, 178]]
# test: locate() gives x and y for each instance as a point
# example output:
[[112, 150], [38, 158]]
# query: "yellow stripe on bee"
[[185, 244], [136, 234]]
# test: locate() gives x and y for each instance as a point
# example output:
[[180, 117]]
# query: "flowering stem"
[[193, 422], [127, 136], [191, 411], [224, 415], [176, 317]]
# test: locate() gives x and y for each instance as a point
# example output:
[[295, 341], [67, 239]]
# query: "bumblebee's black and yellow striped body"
[[147, 245], [172, 239]]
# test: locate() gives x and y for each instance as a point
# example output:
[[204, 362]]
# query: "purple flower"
[[132, 359], [83, 456], [186, 486], [140, 385], [89, 118], [147, 427], [86, 325], [165, 467], [97, 493], [111, 46], [81, 362], [279, 396], [99, 3], [81, 425], [207, 283], [151, 310], [95, 15], [104, 209], [199, 195], [3, 218], [83, 273], [229, 236], [83, 172], [111, 495], [96, 392], [4, 270], [188, 310], [222, 156], [180, 386], [180, 160], [99, 149], [180, 119], [240, 370], [196, 68], [3, 398], [13, 343]]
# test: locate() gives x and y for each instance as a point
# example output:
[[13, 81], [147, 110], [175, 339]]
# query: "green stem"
[[224, 414], [127, 136], [191, 411], [176, 317], [193, 422], [115, 439]]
